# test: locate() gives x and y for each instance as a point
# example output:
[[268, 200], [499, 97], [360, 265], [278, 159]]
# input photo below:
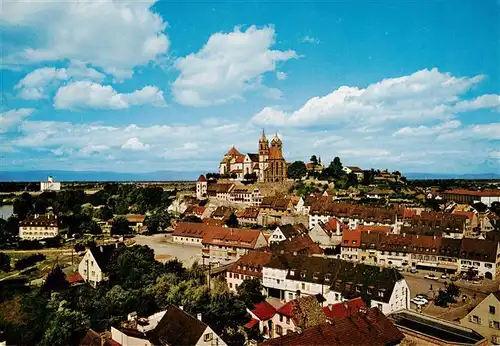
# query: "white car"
[[418, 302], [444, 276], [422, 298], [431, 277]]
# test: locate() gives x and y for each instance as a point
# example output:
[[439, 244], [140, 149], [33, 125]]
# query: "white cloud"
[[227, 66], [281, 75], [310, 39], [114, 35], [86, 94], [495, 154], [481, 102], [422, 96], [486, 131], [13, 117], [33, 86], [135, 144], [428, 130]]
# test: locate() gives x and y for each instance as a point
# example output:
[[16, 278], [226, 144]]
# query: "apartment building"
[[249, 266], [287, 277], [37, 227], [223, 245]]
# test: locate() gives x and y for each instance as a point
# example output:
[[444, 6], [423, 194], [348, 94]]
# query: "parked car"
[[454, 278], [418, 302], [423, 298], [444, 276], [399, 268], [413, 270], [431, 277]]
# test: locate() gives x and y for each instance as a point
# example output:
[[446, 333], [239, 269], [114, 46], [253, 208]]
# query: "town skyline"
[[405, 88]]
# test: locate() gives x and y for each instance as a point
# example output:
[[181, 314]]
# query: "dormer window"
[[303, 274], [328, 277], [292, 272], [316, 276]]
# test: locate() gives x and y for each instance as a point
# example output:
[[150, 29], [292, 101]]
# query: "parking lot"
[[166, 250]]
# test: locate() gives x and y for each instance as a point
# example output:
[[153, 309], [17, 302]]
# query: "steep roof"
[[91, 338], [344, 309], [248, 213], [251, 264], [497, 294], [37, 220], [301, 245], [263, 310], [104, 253], [233, 152], [177, 327], [479, 250], [201, 178], [290, 231], [478, 193], [253, 157], [190, 229], [355, 169], [351, 238], [371, 328]]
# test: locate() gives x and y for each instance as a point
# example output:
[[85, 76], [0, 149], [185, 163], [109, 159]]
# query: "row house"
[[189, 233], [38, 227], [471, 196], [287, 277], [248, 216], [455, 225], [304, 204], [226, 245], [249, 266], [273, 209], [435, 253], [354, 214], [246, 195]]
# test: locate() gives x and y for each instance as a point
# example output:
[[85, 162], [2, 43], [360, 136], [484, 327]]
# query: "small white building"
[[287, 232], [328, 234], [50, 185], [93, 266]]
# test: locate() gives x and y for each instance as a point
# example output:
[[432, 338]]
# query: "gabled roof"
[[177, 327], [248, 213], [190, 229], [251, 264], [497, 295], [222, 211], [104, 253], [263, 311], [201, 178], [92, 338], [355, 169], [37, 220], [233, 152], [300, 245], [374, 228], [290, 231], [479, 250], [253, 157], [371, 328], [344, 309]]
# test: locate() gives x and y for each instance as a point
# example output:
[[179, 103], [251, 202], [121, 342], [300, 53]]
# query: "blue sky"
[[146, 86]]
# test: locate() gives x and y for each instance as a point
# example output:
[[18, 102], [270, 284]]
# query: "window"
[[279, 330], [488, 265], [281, 318], [495, 324], [492, 309], [287, 320], [236, 276], [303, 286], [207, 337], [230, 285], [91, 263], [475, 319], [379, 306], [93, 273], [495, 339]]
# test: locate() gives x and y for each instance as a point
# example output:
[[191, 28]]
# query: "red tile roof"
[[371, 328], [233, 152], [251, 264], [248, 213], [250, 324], [74, 278], [199, 210], [469, 214], [237, 237], [214, 222], [355, 168], [482, 193], [351, 238], [344, 309], [201, 178], [286, 309], [331, 225], [264, 311], [373, 228], [190, 229], [240, 159]]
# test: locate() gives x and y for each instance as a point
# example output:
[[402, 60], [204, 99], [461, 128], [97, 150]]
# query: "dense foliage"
[[57, 314]]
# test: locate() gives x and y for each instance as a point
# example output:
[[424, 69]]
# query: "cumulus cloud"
[[481, 102], [134, 143], [227, 66], [33, 86], [113, 35], [13, 117], [89, 95], [423, 130], [422, 96]]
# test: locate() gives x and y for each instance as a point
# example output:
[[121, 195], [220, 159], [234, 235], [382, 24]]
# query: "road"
[[166, 250]]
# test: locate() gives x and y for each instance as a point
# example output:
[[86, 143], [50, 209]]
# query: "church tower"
[[263, 155]]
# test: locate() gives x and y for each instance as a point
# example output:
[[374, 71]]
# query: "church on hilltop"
[[269, 165]]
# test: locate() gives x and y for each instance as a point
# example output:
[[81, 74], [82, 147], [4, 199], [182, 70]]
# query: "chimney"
[[298, 330], [338, 227], [101, 248], [181, 307], [198, 316], [116, 245]]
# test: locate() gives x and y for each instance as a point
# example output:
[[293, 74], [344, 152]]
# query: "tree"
[[65, 327], [192, 218], [335, 168], [232, 221], [495, 207], [120, 226], [314, 160], [352, 179], [297, 170], [90, 227], [453, 290], [23, 205], [158, 221], [105, 213], [225, 312], [250, 292], [56, 281], [443, 299], [480, 207], [4, 262]]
